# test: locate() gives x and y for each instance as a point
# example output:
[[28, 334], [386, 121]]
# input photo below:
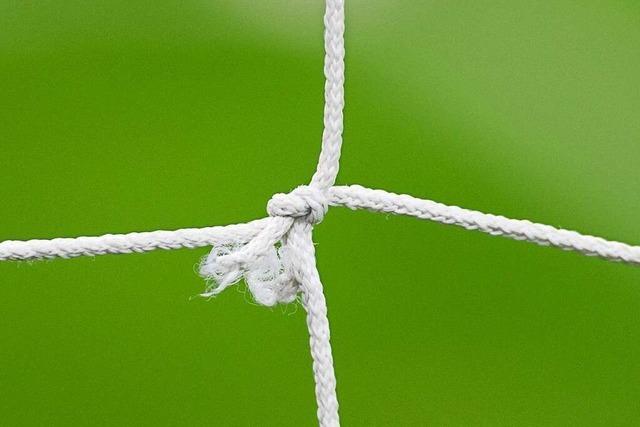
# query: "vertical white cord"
[[302, 253], [328, 164], [299, 239]]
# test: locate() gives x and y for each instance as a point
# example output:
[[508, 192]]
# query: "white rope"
[[353, 197], [357, 197], [276, 256], [329, 161], [128, 243]]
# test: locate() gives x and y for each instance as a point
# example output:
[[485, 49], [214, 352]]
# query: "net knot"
[[266, 261], [304, 201]]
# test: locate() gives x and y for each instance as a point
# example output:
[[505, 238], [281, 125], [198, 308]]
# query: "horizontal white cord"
[[357, 197], [128, 243], [353, 197]]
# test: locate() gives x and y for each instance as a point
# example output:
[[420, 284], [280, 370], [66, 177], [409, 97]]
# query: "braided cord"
[[16, 250], [328, 163], [358, 197], [299, 241], [353, 197], [303, 260]]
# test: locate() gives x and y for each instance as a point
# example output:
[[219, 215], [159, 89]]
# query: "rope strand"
[[328, 163], [353, 197], [358, 197]]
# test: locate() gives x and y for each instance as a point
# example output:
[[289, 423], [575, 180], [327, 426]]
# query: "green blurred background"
[[131, 115]]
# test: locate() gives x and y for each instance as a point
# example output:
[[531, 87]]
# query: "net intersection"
[[276, 256]]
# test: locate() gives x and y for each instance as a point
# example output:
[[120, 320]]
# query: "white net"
[[275, 255]]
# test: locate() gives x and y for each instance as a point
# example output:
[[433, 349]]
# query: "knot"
[[303, 202], [267, 261]]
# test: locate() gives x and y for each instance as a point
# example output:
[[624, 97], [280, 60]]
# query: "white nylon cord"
[[15, 250], [353, 197], [329, 161], [276, 256], [358, 197], [299, 241]]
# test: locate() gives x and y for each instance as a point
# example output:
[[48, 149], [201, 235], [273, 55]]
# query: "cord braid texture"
[[275, 255], [353, 197]]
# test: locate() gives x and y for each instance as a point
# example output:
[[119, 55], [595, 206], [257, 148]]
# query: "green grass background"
[[132, 115]]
